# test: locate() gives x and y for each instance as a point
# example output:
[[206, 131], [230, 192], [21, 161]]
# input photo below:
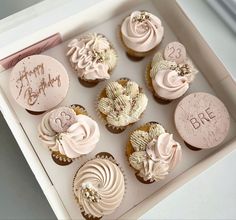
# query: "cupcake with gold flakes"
[[152, 152], [170, 73], [92, 57], [99, 187], [120, 104], [140, 33], [69, 133]]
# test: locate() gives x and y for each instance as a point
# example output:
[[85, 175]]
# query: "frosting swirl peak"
[[103, 179], [79, 138], [169, 84], [142, 31], [92, 56], [165, 149]]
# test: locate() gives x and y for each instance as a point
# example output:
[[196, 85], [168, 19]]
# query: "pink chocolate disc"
[[202, 120], [61, 119], [175, 51], [39, 83]]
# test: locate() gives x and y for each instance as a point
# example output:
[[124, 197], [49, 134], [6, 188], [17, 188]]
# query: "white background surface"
[[212, 195]]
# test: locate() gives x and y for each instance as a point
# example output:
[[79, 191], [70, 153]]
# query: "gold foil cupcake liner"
[[148, 78], [79, 109], [61, 159], [101, 155]]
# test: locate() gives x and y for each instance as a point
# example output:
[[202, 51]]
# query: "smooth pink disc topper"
[[202, 120], [39, 83]]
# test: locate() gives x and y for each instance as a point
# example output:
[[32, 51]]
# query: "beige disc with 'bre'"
[[202, 120], [39, 83]]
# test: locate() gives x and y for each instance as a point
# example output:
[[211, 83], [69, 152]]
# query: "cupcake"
[[121, 103], [38, 83], [140, 33], [99, 187], [202, 121], [69, 133], [170, 73], [92, 57], [152, 152]]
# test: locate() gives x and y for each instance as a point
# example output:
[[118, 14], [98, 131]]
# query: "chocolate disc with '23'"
[[61, 119], [202, 120], [175, 51], [39, 83]]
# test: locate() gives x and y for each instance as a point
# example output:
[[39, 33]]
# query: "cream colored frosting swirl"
[[46, 134], [124, 104], [142, 31], [92, 56], [165, 149], [107, 183], [80, 138], [168, 84]]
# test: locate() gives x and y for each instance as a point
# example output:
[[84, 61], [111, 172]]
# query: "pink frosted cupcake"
[[92, 57], [170, 73], [99, 187], [69, 133], [140, 33], [152, 152]]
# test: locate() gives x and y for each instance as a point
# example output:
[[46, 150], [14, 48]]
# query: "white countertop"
[[211, 195]]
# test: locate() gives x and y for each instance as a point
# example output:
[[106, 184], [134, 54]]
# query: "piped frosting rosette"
[[62, 130], [170, 78], [154, 152], [122, 102], [142, 31], [92, 56], [99, 187]]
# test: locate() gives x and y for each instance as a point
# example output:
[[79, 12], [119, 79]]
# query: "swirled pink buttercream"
[[168, 84], [142, 31], [87, 56], [80, 138], [165, 149]]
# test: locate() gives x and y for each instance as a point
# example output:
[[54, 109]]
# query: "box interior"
[[61, 177]]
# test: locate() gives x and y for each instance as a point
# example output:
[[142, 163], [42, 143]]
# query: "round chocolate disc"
[[39, 83], [202, 120], [175, 51], [61, 119]]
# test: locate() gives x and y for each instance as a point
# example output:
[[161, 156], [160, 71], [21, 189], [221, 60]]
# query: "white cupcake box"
[[104, 17]]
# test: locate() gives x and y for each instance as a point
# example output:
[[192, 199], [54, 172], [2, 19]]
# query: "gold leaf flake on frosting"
[[105, 105], [122, 104], [132, 89], [141, 17], [136, 159], [128, 103], [90, 193], [184, 69], [92, 56], [155, 130], [114, 89], [109, 57], [139, 140]]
